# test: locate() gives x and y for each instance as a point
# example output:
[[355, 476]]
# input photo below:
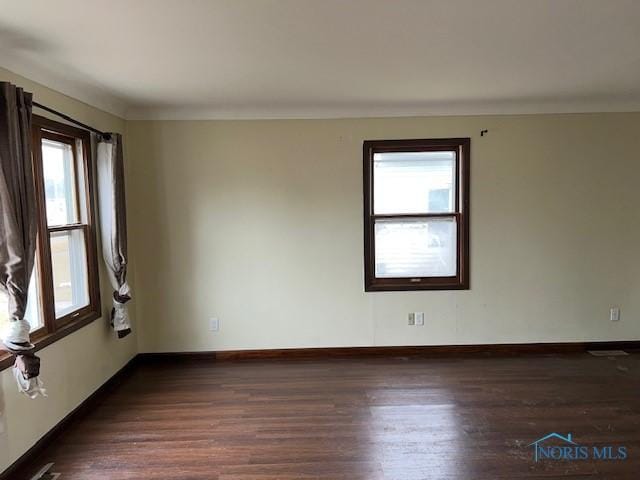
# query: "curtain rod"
[[69, 119]]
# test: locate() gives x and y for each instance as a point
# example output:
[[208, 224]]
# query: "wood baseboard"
[[76, 414], [503, 349]]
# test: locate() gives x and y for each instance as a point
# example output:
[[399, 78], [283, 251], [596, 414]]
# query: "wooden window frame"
[[462, 148], [56, 328]]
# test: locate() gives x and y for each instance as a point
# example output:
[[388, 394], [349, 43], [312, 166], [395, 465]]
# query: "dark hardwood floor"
[[357, 419]]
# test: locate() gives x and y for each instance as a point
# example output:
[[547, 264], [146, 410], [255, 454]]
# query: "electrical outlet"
[[419, 316], [614, 314], [214, 325], [412, 319]]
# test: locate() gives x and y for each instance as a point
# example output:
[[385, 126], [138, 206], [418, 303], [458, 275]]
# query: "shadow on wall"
[[15, 40], [3, 427], [161, 298], [27, 52]]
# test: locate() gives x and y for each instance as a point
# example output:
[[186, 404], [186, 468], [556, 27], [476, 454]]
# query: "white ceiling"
[[328, 58]]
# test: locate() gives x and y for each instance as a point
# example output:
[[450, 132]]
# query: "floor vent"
[[608, 353], [45, 473]]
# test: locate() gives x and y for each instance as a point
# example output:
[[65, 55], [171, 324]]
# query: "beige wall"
[[259, 223], [77, 365]]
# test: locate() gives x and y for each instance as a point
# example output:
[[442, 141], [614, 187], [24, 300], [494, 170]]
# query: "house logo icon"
[[556, 452]]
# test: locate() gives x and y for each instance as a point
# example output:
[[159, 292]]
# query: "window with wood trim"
[[64, 293], [416, 214]]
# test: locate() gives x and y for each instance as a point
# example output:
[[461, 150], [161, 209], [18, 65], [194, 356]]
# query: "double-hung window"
[[64, 291], [416, 214]]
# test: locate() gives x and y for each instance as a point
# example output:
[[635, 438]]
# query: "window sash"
[[80, 206], [456, 193], [408, 218], [76, 265]]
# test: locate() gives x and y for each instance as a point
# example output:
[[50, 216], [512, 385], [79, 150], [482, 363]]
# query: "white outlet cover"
[[419, 318], [614, 314], [214, 324]]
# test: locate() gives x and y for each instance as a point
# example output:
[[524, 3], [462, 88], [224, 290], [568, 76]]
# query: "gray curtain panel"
[[113, 226], [17, 230]]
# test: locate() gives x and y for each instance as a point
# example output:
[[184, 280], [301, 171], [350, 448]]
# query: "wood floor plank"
[[396, 418]]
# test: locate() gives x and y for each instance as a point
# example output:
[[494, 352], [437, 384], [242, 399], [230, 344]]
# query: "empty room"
[[319, 239]]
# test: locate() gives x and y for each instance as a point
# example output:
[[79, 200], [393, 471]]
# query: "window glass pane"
[[32, 314], [415, 248], [59, 182], [414, 182], [69, 263]]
